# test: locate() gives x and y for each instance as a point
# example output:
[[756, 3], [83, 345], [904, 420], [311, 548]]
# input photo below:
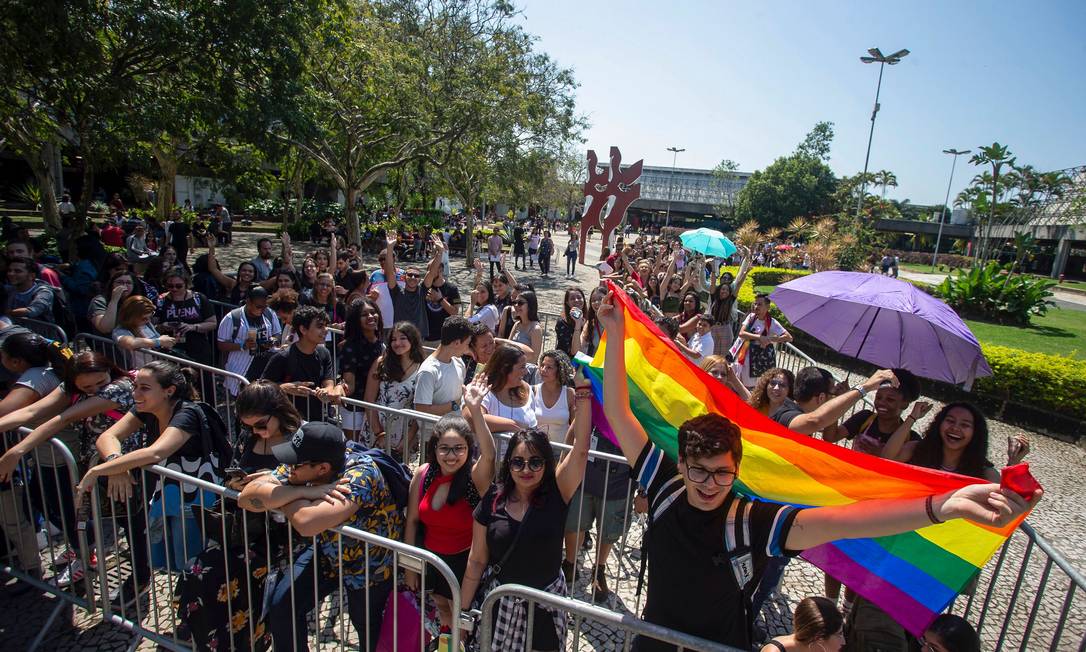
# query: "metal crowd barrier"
[[1018, 621], [152, 613], [44, 328], [791, 358], [210, 379], [22, 534], [628, 626]]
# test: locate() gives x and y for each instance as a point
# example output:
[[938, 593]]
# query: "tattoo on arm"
[[257, 503]]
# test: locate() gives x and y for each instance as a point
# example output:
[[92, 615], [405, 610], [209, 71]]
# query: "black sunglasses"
[[520, 302], [534, 463]]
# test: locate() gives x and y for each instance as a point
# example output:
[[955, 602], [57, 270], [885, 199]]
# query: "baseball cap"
[[316, 441]]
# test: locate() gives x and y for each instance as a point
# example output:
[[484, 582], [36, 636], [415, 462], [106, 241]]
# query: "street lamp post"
[[876, 57], [942, 218], [675, 156]]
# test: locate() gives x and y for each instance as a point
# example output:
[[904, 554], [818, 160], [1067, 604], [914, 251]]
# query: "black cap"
[[316, 441]]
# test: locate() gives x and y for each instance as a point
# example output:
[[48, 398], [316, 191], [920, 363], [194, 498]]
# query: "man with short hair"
[[262, 262], [324, 482], [494, 252], [245, 333], [304, 369], [28, 296], [481, 346], [347, 277], [818, 405], [409, 296], [440, 382], [26, 249]]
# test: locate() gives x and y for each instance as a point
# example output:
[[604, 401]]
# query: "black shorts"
[[457, 563]]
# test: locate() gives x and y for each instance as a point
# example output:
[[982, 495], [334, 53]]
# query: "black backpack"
[[397, 475], [215, 439], [62, 313]]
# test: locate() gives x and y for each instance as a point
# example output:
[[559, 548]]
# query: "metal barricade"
[[412, 445], [1050, 619], [44, 328], [248, 568], [791, 358], [47, 479], [210, 380], [547, 320], [627, 626]]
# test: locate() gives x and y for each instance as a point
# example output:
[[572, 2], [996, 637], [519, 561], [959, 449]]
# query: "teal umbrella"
[[709, 242]]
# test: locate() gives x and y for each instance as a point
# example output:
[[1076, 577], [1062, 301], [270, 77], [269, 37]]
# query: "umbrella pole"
[[848, 373]]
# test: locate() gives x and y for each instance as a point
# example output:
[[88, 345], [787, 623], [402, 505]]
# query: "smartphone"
[[235, 473]]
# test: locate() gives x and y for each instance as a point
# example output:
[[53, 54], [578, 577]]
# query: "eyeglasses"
[[721, 477], [455, 451], [534, 463]]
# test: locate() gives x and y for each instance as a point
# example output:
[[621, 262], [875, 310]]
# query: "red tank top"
[[448, 530]]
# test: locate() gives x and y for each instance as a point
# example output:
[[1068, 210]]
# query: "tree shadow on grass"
[[1049, 331]]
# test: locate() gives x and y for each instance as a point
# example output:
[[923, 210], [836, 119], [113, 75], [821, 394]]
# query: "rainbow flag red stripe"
[[912, 576]]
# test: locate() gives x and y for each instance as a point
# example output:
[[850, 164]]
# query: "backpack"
[[62, 313], [397, 475], [215, 439], [260, 358]]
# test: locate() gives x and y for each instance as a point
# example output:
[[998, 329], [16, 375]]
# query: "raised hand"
[[475, 392], [391, 239], [920, 408], [987, 504], [610, 313], [1017, 448]]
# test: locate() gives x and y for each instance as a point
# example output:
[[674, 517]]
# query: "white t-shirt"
[[703, 344], [487, 315], [440, 382], [524, 416], [756, 326], [238, 361]]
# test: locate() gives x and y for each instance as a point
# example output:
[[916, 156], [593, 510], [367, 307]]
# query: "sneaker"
[[65, 558], [600, 592], [125, 597], [72, 573], [586, 545], [567, 570]]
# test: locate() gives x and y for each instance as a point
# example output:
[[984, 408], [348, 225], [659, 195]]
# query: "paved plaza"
[[1056, 464]]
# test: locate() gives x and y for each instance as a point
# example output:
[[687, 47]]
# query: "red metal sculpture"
[[608, 192]]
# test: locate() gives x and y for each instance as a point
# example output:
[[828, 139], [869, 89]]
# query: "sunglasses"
[[520, 302], [411, 275], [534, 463], [778, 384], [259, 425]]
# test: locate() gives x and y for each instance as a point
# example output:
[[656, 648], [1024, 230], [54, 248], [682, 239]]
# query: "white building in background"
[[201, 191]]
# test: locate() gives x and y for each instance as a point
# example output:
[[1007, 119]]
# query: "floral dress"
[[394, 394]]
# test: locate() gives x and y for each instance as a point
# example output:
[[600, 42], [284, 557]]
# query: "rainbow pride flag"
[[912, 576]]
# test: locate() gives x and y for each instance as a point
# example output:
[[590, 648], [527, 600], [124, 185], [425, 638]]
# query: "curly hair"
[[759, 398], [565, 367], [710, 435]]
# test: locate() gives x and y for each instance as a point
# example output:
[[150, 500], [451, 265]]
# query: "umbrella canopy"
[[709, 242], [885, 321]]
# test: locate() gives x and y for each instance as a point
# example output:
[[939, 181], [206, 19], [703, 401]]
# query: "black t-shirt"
[[435, 313], [863, 427], [691, 585], [194, 309], [191, 457], [350, 280], [293, 366], [357, 357], [179, 235], [410, 306], [564, 336], [786, 412], [537, 558]]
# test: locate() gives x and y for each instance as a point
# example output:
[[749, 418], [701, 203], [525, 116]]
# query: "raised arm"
[[213, 267], [482, 473], [829, 412], [389, 266], [744, 269], [571, 468], [898, 446], [616, 394]]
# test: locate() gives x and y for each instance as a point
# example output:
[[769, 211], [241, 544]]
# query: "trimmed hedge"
[[1019, 378]]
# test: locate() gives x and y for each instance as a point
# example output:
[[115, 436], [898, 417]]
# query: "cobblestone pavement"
[[1059, 518]]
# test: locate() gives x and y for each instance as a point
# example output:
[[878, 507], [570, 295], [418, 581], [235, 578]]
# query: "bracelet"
[[860, 389], [931, 510], [112, 456], [158, 342]]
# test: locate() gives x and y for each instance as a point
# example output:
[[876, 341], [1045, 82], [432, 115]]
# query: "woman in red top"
[[445, 491]]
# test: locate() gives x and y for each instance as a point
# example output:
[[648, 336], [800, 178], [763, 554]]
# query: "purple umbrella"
[[884, 321]]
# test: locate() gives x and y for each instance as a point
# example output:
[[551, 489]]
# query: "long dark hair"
[[929, 451], [36, 351], [593, 318], [697, 304], [565, 303], [171, 374], [89, 362], [721, 309], [265, 397], [390, 368], [816, 618], [533, 304], [501, 362], [458, 488], [539, 444], [352, 330], [957, 633]]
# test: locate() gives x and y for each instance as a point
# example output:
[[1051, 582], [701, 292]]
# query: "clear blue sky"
[[747, 80]]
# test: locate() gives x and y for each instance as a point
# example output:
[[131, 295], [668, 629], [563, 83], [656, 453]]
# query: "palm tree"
[[885, 179], [997, 156]]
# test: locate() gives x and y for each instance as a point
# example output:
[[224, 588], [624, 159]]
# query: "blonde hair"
[[132, 310]]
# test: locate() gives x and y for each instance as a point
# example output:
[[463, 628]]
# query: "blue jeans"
[[287, 621], [774, 570]]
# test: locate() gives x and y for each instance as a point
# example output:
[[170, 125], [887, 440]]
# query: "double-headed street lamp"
[[675, 152], [876, 57], [942, 218]]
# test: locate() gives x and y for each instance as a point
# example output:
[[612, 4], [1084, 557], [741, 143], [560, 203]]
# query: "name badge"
[[743, 569]]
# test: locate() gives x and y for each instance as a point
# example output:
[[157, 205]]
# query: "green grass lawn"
[[1060, 332]]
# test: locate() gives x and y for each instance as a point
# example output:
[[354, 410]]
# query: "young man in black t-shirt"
[[304, 369], [701, 570]]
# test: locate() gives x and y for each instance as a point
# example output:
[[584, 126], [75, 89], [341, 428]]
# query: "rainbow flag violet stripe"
[[912, 576]]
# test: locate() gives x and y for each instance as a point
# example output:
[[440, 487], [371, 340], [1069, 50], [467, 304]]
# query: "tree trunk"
[[86, 195], [469, 237], [354, 230], [166, 157], [41, 164]]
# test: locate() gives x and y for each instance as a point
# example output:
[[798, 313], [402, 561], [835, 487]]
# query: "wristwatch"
[[860, 389]]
